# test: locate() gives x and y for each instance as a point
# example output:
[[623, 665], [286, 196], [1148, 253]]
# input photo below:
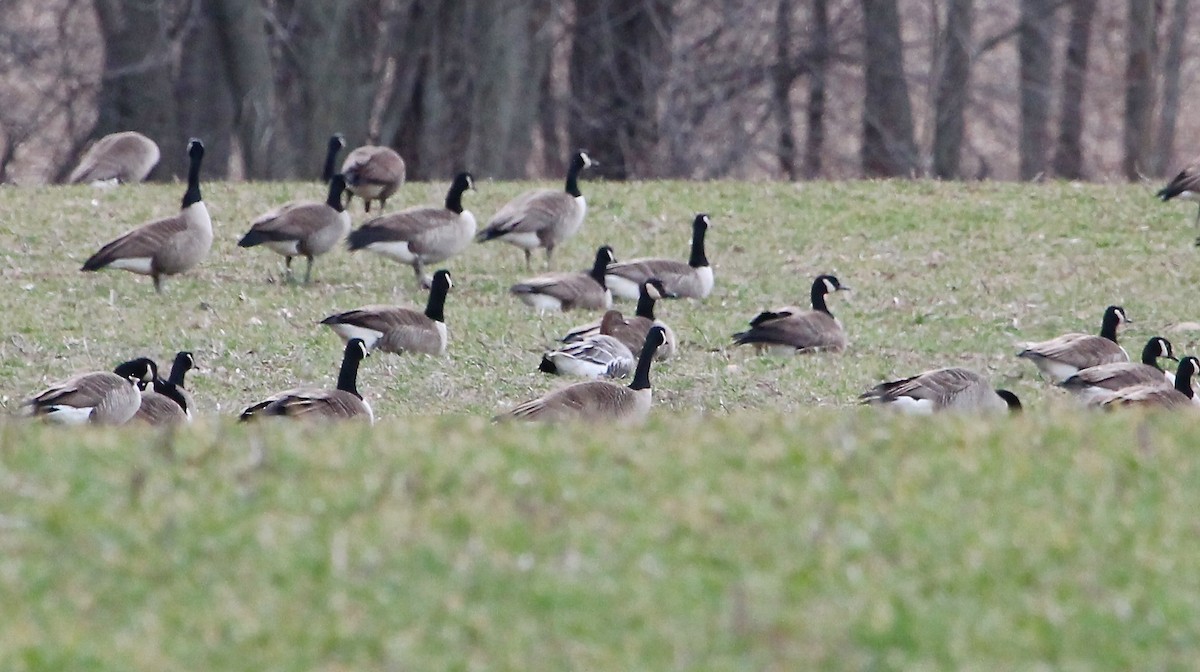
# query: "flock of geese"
[[613, 346]]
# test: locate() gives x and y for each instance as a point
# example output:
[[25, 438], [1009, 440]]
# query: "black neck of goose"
[[573, 178], [334, 200], [178, 371], [818, 297], [437, 302], [641, 377], [645, 307], [348, 376], [1150, 355], [697, 259], [1183, 381], [192, 195], [598, 270], [330, 161], [454, 197], [1109, 327]]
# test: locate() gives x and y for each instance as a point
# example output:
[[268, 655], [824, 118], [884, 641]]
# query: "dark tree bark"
[[888, 148], [1164, 146], [953, 89], [241, 30], [202, 93], [783, 76], [814, 142], [1068, 155], [137, 92], [616, 65], [1139, 87], [1035, 46]]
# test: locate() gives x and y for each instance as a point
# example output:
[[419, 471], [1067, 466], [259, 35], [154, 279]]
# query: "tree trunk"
[[616, 63], [818, 67], [137, 93], [953, 86], [1139, 87], [888, 148], [783, 76], [1035, 46], [241, 28], [1164, 146], [1068, 156], [202, 94]]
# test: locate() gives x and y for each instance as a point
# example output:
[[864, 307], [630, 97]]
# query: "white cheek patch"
[[829, 286]]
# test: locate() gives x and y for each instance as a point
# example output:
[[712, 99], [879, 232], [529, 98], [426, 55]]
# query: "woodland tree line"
[[795, 89]]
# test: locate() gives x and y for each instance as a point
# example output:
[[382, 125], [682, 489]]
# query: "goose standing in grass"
[[336, 144], [693, 280], [99, 397], [595, 356], [423, 235], [399, 330], [791, 330], [302, 228], [597, 400], [1180, 395], [166, 402], [167, 246], [342, 403], [542, 217], [567, 291], [1185, 186], [632, 331], [373, 173], [117, 158], [1062, 357], [1097, 381], [950, 389]]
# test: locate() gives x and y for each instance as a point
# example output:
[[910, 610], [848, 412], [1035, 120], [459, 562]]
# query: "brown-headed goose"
[[117, 158], [631, 331], [99, 397], [1156, 395], [792, 330], [167, 246], [597, 400], [542, 217], [567, 291], [1185, 186], [423, 235], [1096, 381], [399, 330], [693, 280], [1062, 357], [302, 228], [373, 173], [342, 403], [949, 389]]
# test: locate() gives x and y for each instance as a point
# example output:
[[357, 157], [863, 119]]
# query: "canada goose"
[[793, 330], [373, 173], [302, 228], [597, 400], [399, 330], [950, 389], [565, 291], [99, 397], [632, 331], [422, 235], [336, 144], [117, 158], [1096, 381], [542, 217], [693, 280], [341, 403], [1180, 395], [170, 390], [1186, 186], [596, 356], [1062, 357], [167, 246]]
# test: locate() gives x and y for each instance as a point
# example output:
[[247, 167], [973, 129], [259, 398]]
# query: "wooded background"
[[760, 89]]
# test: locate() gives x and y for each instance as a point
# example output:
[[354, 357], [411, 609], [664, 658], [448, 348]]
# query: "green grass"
[[758, 522]]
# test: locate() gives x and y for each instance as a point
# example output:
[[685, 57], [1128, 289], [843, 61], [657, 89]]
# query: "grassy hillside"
[[760, 521]]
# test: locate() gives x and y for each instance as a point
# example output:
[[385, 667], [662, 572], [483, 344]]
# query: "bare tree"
[[1068, 153], [953, 89], [888, 148], [1035, 45], [1164, 145], [1139, 87], [202, 92], [783, 76], [817, 72], [241, 29]]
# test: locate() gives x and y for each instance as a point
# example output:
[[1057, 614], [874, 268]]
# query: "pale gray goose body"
[[399, 330], [1062, 357], [373, 173], [1095, 382], [568, 291], [118, 158], [948, 389], [98, 397], [692, 280], [302, 228], [594, 356], [1154, 395], [791, 330]]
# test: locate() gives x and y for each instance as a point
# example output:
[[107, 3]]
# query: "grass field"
[[760, 521]]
